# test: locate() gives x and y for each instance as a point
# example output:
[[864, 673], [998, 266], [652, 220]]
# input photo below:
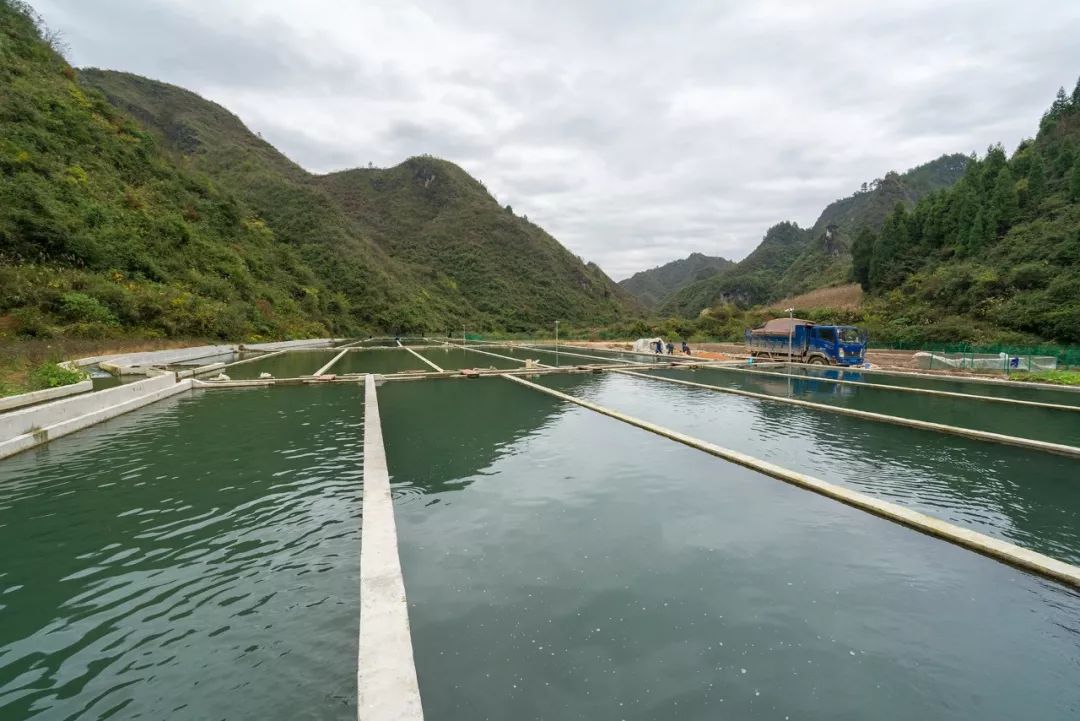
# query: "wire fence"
[[1006, 357]]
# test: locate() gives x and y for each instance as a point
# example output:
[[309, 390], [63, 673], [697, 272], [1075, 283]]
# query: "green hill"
[[652, 287], [791, 260], [100, 231], [128, 206], [432, 213], [996, 256], [452, 246]]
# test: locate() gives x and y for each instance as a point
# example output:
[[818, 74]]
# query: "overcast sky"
[[635, 132]]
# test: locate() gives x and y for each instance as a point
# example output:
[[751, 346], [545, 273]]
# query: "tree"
[[1004, 203], [1076, 95], [1064, 161], [892, 242], [991, 165], [1061, 102], [1074, 181], [862, 251], [976, 237], [1036, 178]]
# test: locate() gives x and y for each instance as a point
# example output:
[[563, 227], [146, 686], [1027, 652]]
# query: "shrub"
[[31, 323], [52, 375], [80, 307]]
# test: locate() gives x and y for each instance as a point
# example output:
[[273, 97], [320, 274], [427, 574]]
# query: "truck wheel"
[[818, 361]]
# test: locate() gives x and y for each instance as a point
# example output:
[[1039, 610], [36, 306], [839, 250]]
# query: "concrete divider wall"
[[8, 403], [157, 357], [29, 420], [39, 436], [290, 344]]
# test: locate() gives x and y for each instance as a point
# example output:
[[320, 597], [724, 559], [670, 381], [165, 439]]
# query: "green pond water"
[[378, 343], [291, 364], [199, 559], [1042, 424], [563, 565], [195, 559], [379, 361], [548, 357], [458, 358], [677, 357], [1028, 497]]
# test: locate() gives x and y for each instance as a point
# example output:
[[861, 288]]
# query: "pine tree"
[[1064, 161], [890, 245], [862, 251], [1076, 96], [976, 234], [1074, 181], [991, 165], [1036, 179], [1004, 202], [1061, 102]]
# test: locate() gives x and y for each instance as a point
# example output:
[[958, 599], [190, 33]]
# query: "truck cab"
[[836, 345]]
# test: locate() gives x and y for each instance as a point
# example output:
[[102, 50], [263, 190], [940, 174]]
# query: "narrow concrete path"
[[386, 685], [330, 365], [505, 357], [440, 370]]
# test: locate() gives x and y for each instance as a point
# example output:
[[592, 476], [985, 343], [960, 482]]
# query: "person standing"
[[670, 348]]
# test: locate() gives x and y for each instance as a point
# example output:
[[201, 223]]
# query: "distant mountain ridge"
[[652, 287], [792, 260]]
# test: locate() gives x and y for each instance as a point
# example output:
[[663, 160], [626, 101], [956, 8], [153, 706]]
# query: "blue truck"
[[803, 341]]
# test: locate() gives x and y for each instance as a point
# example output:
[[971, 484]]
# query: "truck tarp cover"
[[781, 325]]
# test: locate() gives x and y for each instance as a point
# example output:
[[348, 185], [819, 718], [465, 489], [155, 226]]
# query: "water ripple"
[[176, 548]]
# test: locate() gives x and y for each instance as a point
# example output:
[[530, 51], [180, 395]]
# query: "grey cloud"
[[635, 132]]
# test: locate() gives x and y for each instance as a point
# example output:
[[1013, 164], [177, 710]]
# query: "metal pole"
[[790, 330], [556, 343]]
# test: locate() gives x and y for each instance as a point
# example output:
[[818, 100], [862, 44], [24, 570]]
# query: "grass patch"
[[21, 360], [1061, 378]]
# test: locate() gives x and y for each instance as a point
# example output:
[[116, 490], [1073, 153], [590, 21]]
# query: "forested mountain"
[[652, 287], [1001, 248], [793, 260], [128, 205], [433, 214]]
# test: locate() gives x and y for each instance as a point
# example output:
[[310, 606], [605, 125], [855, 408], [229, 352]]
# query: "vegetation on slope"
[[433, 214], [791, 260], [368, 286], [133, 208], [100, 231], [750, 281], [1000, 249], [654, 286], [422, 245]]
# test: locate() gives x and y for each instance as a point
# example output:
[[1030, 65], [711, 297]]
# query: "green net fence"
[[1068, 357]]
